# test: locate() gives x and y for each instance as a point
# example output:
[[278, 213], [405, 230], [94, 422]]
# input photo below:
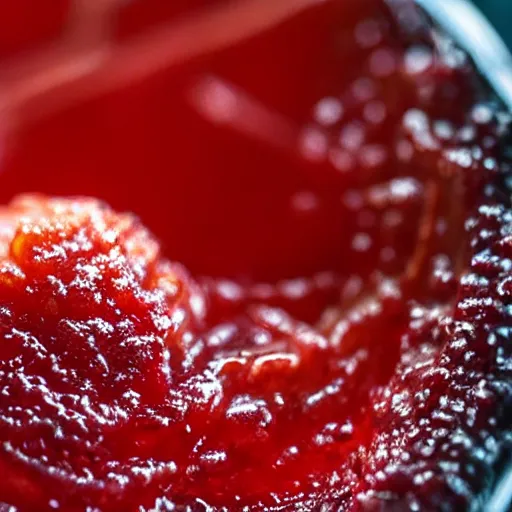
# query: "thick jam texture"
[[317, 317]]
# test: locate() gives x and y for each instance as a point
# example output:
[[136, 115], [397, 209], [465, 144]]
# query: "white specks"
[[457, 405], [60, 287], [481, 391], [329, 390], [308, 338], [178, 316], [422, 478], [293, 288], [262, 338], [461, 156], [471, 416], [361, 242], [458, 344], [467, 133], [162, 322], [477, 153], [206, 388], [381, 453], [400, 404], [394, 192], [328, 111], [221, 335], [214, 457], [110, 236], [415, 120], [482, 114], [417, 123], [347, 428], [293, 450], [444, 130], [474, 280], [197, 305], [418, 59], [490, 164], [334, 479], [229, 290], [473, 302], [404, 188], [245, 407], [414, 506], [274, 317], [405, 457]]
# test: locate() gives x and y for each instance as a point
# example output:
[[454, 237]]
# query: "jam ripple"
[[119, 389]]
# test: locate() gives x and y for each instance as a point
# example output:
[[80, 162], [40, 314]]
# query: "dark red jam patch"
[[321, 320]]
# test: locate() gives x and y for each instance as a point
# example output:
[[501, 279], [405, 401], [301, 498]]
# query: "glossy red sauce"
[[319, 320]]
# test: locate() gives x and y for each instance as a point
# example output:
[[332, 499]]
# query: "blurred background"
[[500, 13]]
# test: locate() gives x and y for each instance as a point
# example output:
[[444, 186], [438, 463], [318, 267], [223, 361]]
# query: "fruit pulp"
[[319, 322]]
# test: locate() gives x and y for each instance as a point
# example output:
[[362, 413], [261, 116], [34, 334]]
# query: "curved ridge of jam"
[[116, 383]]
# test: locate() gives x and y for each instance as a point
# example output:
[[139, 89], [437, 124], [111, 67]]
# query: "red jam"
[[321, 320]]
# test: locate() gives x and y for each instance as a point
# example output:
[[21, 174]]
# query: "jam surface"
[[317, 315]]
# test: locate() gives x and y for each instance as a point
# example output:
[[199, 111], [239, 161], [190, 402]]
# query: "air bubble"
[[361, 242], [418, 59], [328, 111]]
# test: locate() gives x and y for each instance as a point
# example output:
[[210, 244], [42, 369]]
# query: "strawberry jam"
[[317, 315]]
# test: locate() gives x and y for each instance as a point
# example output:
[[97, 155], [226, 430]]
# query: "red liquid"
[[337, 156]]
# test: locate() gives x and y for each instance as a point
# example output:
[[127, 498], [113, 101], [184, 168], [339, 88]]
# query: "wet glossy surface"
[[335, 335]]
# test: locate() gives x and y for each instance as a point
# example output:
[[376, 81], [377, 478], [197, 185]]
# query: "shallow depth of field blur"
[[500, 14]]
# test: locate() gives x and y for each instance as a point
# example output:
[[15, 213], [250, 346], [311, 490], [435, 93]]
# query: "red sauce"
[[320, 319]]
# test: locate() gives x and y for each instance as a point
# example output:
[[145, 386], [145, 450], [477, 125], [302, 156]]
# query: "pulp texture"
[[321, 319]]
